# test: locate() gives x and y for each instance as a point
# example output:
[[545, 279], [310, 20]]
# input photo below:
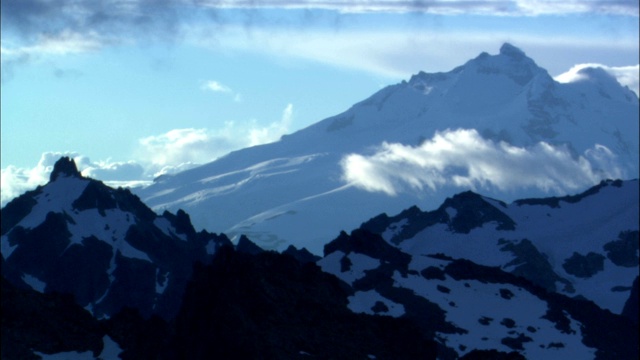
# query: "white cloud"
[[218, 87], [16, 181], [179, 149], [215, 86], [626, 75], [174, 151], [272, 132], [462, 158]]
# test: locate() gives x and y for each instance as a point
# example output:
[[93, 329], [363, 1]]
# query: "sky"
[[136, 88]]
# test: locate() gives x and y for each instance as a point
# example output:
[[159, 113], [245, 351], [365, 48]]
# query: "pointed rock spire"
[[65, 166]]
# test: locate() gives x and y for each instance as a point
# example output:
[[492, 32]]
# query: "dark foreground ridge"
[[242, 306]]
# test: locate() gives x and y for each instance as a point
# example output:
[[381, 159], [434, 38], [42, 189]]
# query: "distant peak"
[[64, 166], [511, 51]]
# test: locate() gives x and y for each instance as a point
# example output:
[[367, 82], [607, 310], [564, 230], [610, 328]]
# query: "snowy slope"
[[550, 138], [570, 245], [76, 235], [537, 276]]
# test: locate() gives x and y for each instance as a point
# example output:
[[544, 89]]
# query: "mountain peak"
[[64, 166], [511, 51], [511, 62]]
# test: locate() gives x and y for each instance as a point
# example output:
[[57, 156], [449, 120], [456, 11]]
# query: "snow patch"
[[7, 249], [55, 197], [35, 283], [359, 264], [394, 229], [161, 284], [110, 228], [365, 301], [110, 351], [490, 317]]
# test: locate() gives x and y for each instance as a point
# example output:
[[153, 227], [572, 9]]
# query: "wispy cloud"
[[173, 151], [37, 28], [493, 7], [274, 131], [462, 158], [626, 75], [118, 20], [398, 53], [179, 149], [217, 87], [16, 180]]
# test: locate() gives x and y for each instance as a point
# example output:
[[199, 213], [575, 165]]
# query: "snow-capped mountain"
[[499, 124], [104, 246], [543, 277]]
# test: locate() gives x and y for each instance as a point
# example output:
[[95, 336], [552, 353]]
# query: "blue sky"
[[137, 88]]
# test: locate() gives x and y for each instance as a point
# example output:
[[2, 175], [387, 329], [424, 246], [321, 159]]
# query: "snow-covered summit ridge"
[[511, 62], [499, 125]]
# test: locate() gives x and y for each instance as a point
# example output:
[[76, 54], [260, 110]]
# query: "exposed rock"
[[433, 273], [584, 266], [630, 310], [64, 166], [17, 209], [515, 343], [247, 246], [492, 355], [95, 195], [531, 264], [302, 255], [292, 308], [554, 201], [46, 323], [506, 294], [473, 211], [416, 221], [624, 251], [364, 242], [618, 343]]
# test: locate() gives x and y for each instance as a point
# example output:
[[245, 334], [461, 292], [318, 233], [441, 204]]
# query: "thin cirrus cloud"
[[486, 7], [462, 158]]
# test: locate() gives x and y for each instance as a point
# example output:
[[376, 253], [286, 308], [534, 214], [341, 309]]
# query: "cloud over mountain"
[[464, 159], [626, 75], [17, 180], [167, 153]]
